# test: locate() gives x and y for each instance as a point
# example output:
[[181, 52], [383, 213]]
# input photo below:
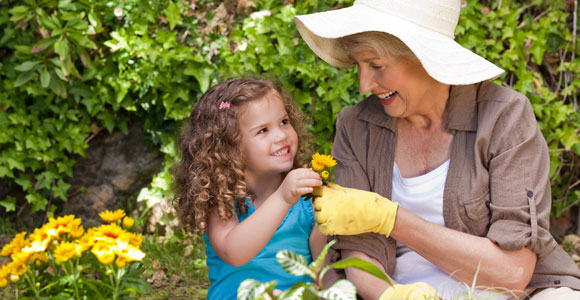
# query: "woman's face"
[[401, 84]]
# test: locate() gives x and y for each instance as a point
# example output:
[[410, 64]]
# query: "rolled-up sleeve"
[[520, 192]]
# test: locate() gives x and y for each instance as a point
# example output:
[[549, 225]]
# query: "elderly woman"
[[461, 159]]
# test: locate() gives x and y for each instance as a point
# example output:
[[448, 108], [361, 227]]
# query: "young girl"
[[239, 181]]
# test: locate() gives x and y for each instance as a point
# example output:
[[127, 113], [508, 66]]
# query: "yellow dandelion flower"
[[64, 251], [134, 239], [324, 174], [3, 282], [109, 232], [326, 161], [39, 240], [128, 222], [17, 267], [17, 243], [21, 257], [316, 166], [127, 252], [112, 216], [61, 225], [39, 258], [120, 262], [87, 240], [104, 252]]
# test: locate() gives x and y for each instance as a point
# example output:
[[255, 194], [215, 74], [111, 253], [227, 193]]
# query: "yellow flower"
[[104, 252], [133, 238], [17, 267], [17, 243], [87, 240], [14, 278], [109, 232], [128, 222], [64, 251], [3, 282], [39, 258], [61, 225], [127, 252], [324, 174], [321, 161], [112, 216], [4, 271]]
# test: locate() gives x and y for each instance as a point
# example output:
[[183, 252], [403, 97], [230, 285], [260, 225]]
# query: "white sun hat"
[[426, 26]]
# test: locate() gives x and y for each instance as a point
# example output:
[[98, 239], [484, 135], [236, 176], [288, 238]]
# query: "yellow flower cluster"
[[321, 161], [64, 238]]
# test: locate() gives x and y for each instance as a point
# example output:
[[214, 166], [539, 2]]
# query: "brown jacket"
[[497, 184]]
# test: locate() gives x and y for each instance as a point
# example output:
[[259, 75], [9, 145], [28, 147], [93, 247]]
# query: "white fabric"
[[562, 293], [425, 26], [423, 195]]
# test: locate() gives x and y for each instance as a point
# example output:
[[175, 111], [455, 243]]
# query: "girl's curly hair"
[[210, 173]]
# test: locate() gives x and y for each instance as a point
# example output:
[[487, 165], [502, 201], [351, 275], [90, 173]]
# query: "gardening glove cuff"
[[347, 211], [413, 291]]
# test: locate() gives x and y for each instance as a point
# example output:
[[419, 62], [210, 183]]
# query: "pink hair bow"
[[224, 105]]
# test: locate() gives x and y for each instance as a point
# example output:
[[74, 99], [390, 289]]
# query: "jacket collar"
[[461, 109]]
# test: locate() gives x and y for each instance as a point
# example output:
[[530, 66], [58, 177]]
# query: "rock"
[[116, 167]]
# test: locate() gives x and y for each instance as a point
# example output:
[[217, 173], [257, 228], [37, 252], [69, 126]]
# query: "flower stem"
[[30, 278]]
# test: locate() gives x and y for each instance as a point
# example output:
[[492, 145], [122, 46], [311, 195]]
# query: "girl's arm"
[[237, 243], [317, 241]]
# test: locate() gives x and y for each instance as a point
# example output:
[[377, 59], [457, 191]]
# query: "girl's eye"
[[263, 130], [284, 122]]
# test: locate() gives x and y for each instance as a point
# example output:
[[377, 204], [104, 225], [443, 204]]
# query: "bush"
[[69, 69]]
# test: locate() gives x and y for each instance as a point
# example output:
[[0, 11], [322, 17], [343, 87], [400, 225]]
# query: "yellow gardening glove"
[[345, 211], [413, 291]]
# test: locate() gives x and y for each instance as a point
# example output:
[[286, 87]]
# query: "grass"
[[175, 267]]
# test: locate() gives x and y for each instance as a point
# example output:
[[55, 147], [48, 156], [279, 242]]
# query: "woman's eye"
[[376, 67]]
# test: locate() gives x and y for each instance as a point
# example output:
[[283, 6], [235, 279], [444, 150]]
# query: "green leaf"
[[361, 264], [251, 289], [42, 45], [61, 47], [294, 264], [340, 290], [24, 78], [172, 15], [44, 78], [202, 73], [27, 66], [9, 203], [317, 264]]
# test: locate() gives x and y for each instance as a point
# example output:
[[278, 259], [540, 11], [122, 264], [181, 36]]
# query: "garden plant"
[[72, 70]]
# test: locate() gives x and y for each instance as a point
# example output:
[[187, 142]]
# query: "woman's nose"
[[366, 81]]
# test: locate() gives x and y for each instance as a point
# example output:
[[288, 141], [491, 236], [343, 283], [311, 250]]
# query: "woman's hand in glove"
[[413, 291], [346, 211]]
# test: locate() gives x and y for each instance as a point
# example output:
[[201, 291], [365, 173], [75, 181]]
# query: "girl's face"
[[402, 85], [269, 142]]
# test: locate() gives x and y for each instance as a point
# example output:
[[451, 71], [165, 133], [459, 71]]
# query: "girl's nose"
[[280, 135], [366, 81]]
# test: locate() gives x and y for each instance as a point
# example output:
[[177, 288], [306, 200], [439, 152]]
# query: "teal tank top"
[[292, 235]]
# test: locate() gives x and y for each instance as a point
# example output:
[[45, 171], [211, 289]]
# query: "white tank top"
[[423, 196]]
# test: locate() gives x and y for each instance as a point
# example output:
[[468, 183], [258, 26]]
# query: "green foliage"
[[533, 42], [69, 69], [297, 265]]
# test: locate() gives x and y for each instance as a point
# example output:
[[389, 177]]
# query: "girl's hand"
[[297, 183]]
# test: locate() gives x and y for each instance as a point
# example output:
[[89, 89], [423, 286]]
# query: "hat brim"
[[443, 58]]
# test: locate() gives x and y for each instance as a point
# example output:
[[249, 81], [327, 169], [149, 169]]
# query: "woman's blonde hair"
[[210, 173], [384, 44]]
